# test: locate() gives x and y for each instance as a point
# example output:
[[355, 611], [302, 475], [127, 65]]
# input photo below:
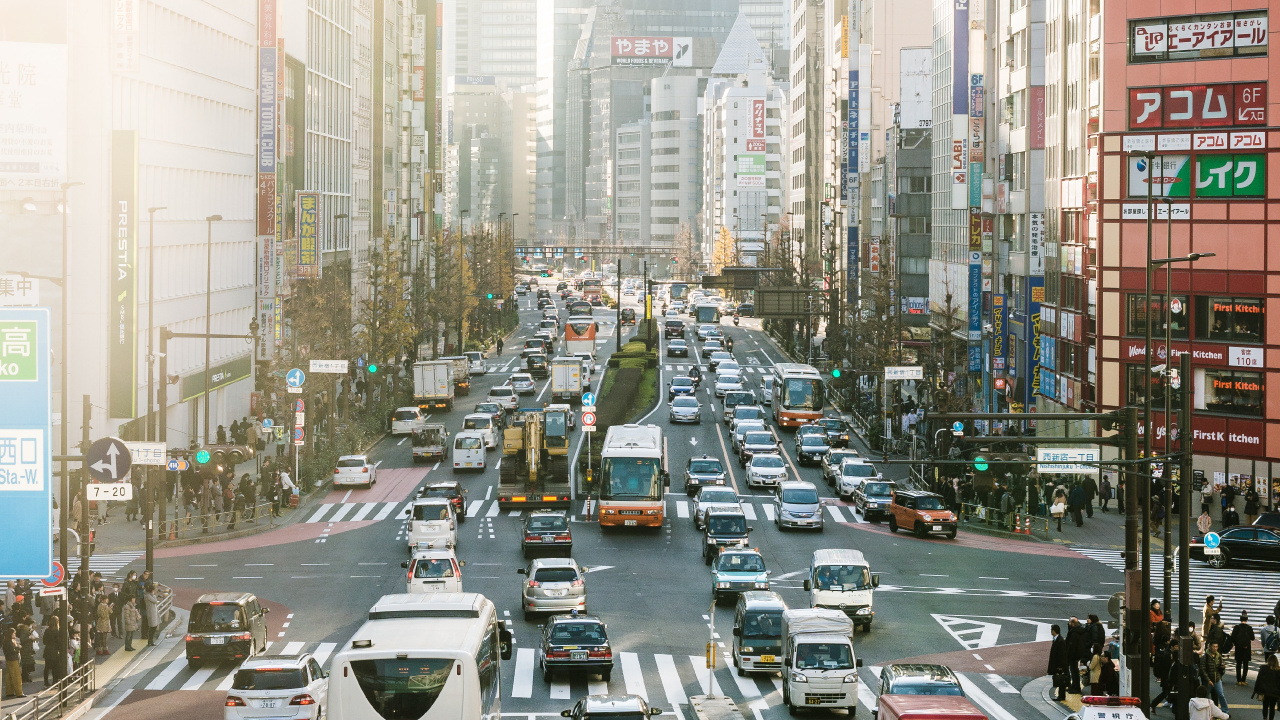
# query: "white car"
[[713, 497], [588, 364], [355, 470], [475, 359], [523, 384], [728, 367], [278, 686], [505, 396], [434, 570], [432, 524], [482, 423], [704, 330], [727, 383], [718, 357], [832, 460], [854, 472], [468, 451], [766, 471], [405, 419]]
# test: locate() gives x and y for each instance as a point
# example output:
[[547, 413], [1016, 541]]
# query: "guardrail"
[[196, 525], [995, 519], [165, 604], [56, 700]]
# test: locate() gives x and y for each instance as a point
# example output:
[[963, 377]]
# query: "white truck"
[[566, 379], [461, 372], [819, 668], [433, 384]]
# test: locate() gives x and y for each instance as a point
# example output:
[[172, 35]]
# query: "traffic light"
[[546, 274], [980, 463], [835, 372], [202, 457], [488, 296], [373, 369]]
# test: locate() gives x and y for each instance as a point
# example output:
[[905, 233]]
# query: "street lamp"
[[208, 309], [65, 506], [149, 494]]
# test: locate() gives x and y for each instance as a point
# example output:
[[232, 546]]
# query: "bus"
[[580, 334], [707, 311], [798, 394], [430, 656], [591, 288], [633, 476], [679, 290]]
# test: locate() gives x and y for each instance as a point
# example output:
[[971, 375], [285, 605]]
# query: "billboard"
[[267, 110], [750, 170], [33, 116], [674, 51], [1215, 174], [1035, 244], [757, 118], [1200, 36], [916, 86], [1192, 106], [999, 330], [308, 213], [122, 317]]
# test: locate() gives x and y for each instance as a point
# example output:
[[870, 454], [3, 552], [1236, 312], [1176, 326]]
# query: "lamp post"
[[64, 508], [149, 493], [208, 309]]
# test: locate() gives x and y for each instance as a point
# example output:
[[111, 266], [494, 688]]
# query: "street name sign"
[[329, 366], [904, 372], [26, 500], [1068, 461]]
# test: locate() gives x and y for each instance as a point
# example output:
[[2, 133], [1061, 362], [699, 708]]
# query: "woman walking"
[[102, 625], [152, 601], [1058, 507], [1267, 686]]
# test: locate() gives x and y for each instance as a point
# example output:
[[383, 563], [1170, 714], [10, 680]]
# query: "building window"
[[1231, 392], [666, 115], [1230, 319], [1137, 325]]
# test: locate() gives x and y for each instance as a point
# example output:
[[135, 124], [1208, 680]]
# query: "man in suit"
[[1058, 662]]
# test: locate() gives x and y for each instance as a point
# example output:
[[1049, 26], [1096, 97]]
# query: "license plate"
[[548, 538], [216, 641], [937, 528], [578, 655], [768, 658], [630, 522], [1212, 551], [467, 464], [556, 593], [269, 703], [812, 701]]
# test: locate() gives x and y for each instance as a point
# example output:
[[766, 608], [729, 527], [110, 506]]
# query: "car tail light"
[[303, 699], [557, 653], [364, 470], [534, 584], [335, 471], [191, 638], [233, 701], [578, 583], [605, 653], [564, 537], [532, 538], [242, 636]]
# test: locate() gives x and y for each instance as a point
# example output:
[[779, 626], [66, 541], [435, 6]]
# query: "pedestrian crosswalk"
[[174, 673], [111, 565], [745, 369], [1254, 590], [353, 512], [754, 507]]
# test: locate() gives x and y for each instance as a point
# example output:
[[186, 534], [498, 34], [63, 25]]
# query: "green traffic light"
[[488, 296], [835, 373], [202, 457], [980, 464], [372, 368]]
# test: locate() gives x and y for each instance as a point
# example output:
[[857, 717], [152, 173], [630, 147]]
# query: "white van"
[[434, 570], [436, 656], [468, 450], [840, 579], [405, 420], [475, 361], [483, 424], [432, 524]]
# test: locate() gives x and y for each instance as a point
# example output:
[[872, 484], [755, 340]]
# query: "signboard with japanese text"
[[750, 170], [308, 212], [757, 118], [19, 291], [1035, 290], [1199, 36], [999, 330], [267, 109], [1191, 106], [122, 318], [125, 23], [1066, 461], [1215, 175], [1035, 244], [33, 116], [26, 512], [266, 203], [674, 51], [148, 453]]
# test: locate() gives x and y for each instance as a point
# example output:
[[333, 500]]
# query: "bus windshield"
[[802, 394], [580, 328], [708, 313], [402, 687], [679, 291], [631, 479]]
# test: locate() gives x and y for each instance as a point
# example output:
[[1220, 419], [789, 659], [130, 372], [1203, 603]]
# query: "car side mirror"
[[875, 581], [655, 711], [404, 563], [566, 713], [875, 713], [786, 662], [857, 662], [521, 571], [462, 563], [504, 643], [737, 631], [749, 528], [807, 585]]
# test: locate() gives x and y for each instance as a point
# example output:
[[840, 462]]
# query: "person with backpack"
[[1242, 642], [1270, 637], [1267, 686]]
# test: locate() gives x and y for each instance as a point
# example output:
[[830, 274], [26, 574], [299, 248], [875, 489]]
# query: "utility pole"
[[617, 327], [148, 492], [208, 311], [86, 623], [1134, 641], [1186, 640]]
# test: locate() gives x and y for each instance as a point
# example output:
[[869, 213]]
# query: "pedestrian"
[[1213, 668], [1058, 506], [1078, 651], [28, 637], [12, 663], [237, 509], [1218, 633], [289, 489], [1201, 708], [273, 494], [1095, 671], [1270, 637], [1207, 613], [1058, 666], [1242, 642], [1251, 503], [1109, 677], [1120, 490], [1230, 517], [152, 615], [1266, 686], [207, 498], [1157, 516], [1157, 613], [1090, 492], [221, 435], [1096, 632], [132, 622], [102, 625], [1076, 503], [1228, 496], [55, 652], [1104, 492]]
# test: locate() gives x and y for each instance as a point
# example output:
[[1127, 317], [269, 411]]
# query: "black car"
[[546, 533], [837, 431], [1268, 520], [747, 310], [451, 490], [226, 626], [677, 347], [709, 347], [673, 329], [1240, 544], [575, 643], [919, 679], [723, 528], [702, 471], [628, 316], [545, 303]]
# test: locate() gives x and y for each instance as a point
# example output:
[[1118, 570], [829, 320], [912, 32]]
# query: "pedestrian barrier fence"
[[196, 525], [56, 700], [166, 603], [1014, 523]]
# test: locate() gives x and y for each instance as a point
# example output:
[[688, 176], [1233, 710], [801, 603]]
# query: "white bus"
[[428, 657]]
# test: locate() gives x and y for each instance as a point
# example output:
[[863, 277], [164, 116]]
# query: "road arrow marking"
[[693, 441]]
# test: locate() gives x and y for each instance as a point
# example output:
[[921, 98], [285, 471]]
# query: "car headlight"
[[864, 611], [610, 512], [851, 678], [762, 585], [722, 586], [799, 678], [927, 517], [748, 649]]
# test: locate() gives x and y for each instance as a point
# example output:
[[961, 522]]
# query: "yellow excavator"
[[535, 458]]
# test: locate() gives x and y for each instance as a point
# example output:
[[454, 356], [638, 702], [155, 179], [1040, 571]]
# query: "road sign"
[[588, 428], [56, 574], [589, 399], [110, 491], [299, 434], [588, 418], [25, 487], [957, 427], [329, 366], [299, 405], [294, 390], [295, 378], [267, 423], [1212, 540], [108, 460], [53, 591], [904, 372], [1068, 461], [279, 431], [148, 453], [178, 465], [299, 419], [1115, 604]]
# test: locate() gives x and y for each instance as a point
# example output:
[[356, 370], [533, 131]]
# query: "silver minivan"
[[796, 505]]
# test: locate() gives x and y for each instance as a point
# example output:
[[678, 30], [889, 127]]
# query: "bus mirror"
[[504, 643], [737, 631], [404, 563], [875, 581], [807, 585]]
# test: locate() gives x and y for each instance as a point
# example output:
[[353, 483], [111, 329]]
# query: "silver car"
[[710, 498], [685, 408], [553, 585], [796, 505], [852, 474], [766, 471], [523, 383], [727, 383], [831, 463]]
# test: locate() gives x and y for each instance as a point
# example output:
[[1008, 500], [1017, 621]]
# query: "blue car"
[[680, 386]]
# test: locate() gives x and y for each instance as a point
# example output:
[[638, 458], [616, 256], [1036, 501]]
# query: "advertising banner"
[[122, 318], [267, 109], [1035, 244], [308, 212], [1035, 287], [960, 58], [757, 118], [674, 51], [851, 261], [125, 24], [751, 169], [1036, 113], [266, 203], [1196, 106], [999, 330], [26, 511], [1200, 36], [33, 116], [267, 23]]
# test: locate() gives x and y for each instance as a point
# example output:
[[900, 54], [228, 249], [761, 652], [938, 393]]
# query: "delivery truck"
[[460, 371], [566, 379], [433, 384], [820, 669]]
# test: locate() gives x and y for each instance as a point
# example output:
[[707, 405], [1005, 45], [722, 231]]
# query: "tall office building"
[[814, 123], [560, 25], [770, 21], [497, 38]]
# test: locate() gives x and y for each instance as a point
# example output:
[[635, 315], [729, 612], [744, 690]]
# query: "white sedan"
[[355, 470], [727, 382], [766, 471]]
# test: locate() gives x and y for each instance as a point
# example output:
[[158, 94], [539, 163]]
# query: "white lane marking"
[[746, 685], [225, 685], [402, 441], [347, 496], [866, 698], [488, 492], [323, 652], [633, 676], [493, 511], [768, 511], [597, 687], [560, 690], [342, 512], [199, 678], [835, 513], [386, 510], [1000, 684], [474, 507], [671, 684], [324, 509], [293, 648], [993, 710], [364, 512], [749, 510], [699, 664], [523, 685], [514, 513], [682, 509]]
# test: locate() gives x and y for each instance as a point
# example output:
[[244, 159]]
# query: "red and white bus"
[[798, 394], [580, 335], [633, 476]]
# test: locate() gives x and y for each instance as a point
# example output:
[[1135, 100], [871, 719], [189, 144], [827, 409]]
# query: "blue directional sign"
[[957, 426], [177, 465], [267, 423], [295, 378], [588, 398], [1212, 540], [26, 444]]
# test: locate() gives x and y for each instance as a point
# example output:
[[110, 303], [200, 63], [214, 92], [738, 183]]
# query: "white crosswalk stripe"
[[632, 675], [109, 564], [682, 508], [836, 514], [749, 510], [338, 512], [1253, 590], [386, 510]]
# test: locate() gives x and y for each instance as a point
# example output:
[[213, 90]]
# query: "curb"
[[1038, 693]]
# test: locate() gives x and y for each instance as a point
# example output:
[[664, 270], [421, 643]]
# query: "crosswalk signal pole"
[[711, 648]]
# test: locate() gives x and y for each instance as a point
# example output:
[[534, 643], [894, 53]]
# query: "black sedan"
[[837, 431], [677, 347], [576, 643], [702, 471], [546, 533], [1240, 544], [451, 490]]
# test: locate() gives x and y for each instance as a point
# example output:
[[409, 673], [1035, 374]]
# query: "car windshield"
[[430, 511], [738, 398], [814, 440], [800, 496], [762, 624], [833, 424], [632, 478], [684, 402], [857, 470], [467, 443], [705, 466], [842, 577], [727, 525], [216, 618], [682, 382], [914, 686], [758, 438], [718, 496], [577, 633], [730, 380], [748, 414], [930, 503], [766, 461], [268, 679], [824, 656], [877, 489], [740, 562], [489, 408], [544, 523], [433, 568], [351, 462], [483, 423], [406, 415], [555, 574], [839, 456], [727, 366], [676, 344]]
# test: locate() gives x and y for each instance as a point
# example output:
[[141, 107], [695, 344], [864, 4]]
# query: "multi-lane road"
[[976, 603]]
